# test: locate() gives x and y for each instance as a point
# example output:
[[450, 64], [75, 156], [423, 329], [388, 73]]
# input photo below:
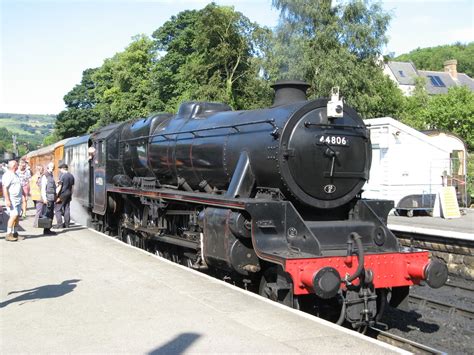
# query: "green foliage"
[[336, 45], [75, 122], [80, 113], [470, 176], [82, 95], [28, 128], [411, 112], [452, 112], [50, 139], [217, 54], [224, 48], [5, 141], [433, 58], [176, 38], [211, 55], [117, 91], [122, 83]]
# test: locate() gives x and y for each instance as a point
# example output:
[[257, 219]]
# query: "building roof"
[[437, 82], [404, 72], [464, 79], [389, 121]]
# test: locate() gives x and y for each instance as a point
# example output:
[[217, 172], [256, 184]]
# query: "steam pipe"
[[342, 316], [360, 253]]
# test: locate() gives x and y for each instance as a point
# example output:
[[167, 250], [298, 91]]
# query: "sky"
[[45, 45]]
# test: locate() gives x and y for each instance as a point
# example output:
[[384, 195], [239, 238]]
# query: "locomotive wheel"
[[268, 284], [279, 292]]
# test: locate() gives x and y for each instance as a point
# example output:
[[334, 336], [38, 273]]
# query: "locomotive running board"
[[200, 198], [278, 231]]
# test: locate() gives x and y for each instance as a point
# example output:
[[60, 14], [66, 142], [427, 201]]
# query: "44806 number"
[[333, 140]]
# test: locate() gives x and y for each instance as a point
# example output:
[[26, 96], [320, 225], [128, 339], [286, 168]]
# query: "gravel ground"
[[438, 329]]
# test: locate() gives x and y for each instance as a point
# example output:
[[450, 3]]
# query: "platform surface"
[[84, 292], [462, 227]]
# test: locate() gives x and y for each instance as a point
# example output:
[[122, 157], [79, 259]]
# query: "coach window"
[[70, 156]]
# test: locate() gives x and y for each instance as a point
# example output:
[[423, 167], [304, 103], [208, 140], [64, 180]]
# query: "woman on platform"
[[35, 192]]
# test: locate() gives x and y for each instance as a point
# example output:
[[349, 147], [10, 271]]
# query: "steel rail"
[[403, 343], [437, 305], [459, 286]]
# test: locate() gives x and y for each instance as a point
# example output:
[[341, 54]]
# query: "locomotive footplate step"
[[83, 292]]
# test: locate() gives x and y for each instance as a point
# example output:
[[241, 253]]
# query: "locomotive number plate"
[[332, 140]]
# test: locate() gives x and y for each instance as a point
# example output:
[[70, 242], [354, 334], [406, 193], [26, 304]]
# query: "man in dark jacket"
[[65, 187], [48, 195]]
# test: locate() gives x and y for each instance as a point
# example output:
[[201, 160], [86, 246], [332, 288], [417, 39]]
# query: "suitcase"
[[45, 222]]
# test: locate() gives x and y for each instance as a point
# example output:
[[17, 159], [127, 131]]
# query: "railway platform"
[[83, 292], [459, 228]]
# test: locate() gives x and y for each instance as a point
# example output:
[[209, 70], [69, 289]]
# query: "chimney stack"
[[289, 92], [450, 66]]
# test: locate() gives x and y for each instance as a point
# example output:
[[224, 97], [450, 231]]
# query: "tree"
[[175, 40], [212, 55], [79, 115], [50, 139], [336, 45], [5, 141], [452, 112], [224, 47], [122, 84], [433, 58]]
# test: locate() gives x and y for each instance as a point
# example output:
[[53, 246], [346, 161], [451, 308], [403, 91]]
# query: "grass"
[[30, 129]]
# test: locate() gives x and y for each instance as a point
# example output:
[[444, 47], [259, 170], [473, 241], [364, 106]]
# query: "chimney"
[[450, 66], [289, 91]]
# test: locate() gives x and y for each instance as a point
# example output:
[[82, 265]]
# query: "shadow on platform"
[[176, 346], [42, 292]]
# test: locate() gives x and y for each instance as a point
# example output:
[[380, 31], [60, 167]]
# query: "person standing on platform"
[[35, 193], [13, 194], [25, 175], [62, 208], [48, 195]]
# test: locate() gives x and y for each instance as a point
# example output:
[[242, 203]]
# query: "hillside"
[[29, 129], [432, 58]]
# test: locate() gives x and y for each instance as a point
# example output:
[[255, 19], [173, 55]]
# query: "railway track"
[[424, 302], [457, 285], [403, 343]]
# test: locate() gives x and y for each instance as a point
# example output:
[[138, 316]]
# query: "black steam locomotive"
[[267, 198]]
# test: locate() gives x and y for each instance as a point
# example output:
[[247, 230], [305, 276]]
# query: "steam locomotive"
[[268, 198]]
